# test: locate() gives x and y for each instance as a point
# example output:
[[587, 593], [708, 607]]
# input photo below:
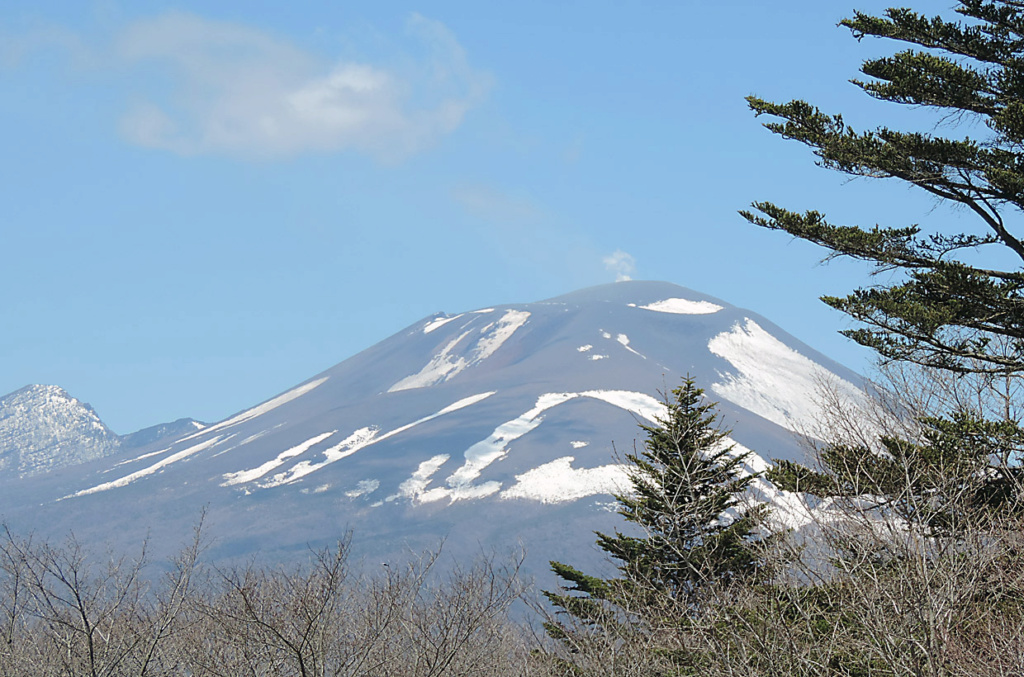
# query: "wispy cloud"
[[528, 232], [490, 204], [620, 263], [214, 87]]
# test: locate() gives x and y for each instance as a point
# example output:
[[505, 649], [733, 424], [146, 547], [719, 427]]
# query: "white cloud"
[[232, 89], [620, 263]]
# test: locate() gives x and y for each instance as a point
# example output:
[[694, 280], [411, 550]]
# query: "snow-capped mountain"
[[43, 428], [483, 427]]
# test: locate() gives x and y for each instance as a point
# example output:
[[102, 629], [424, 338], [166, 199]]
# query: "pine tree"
[[943, 310], [962, 470], [696, 536]]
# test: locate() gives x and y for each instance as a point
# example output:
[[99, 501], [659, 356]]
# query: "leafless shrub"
[[61, 613], [65, 614], [912, 582]]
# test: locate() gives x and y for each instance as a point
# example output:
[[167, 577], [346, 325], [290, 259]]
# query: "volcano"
[[485, 429]]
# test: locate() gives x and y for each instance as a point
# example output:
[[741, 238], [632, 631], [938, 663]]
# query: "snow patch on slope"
[[260, 409], [624, 340], [444, 365], [482, 454], [506, 326], [138, 458], [358, 440], [559, 482], [638, 404], [439, 322], [414, 487], [683, 307], [363, 487], [243, 476], [773, 380], [163, 463], [361, 438], [440, 368]]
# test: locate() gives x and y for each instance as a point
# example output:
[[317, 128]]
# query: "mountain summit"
[[43, 428], [480, 427]]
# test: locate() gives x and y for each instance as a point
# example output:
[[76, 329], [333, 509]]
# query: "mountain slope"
[[480, 427], [161, 431]]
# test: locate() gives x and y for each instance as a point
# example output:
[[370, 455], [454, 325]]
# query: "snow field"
[[363, 487], [244, 476], [414, 487], [559, 482], [446, 364], [624, 340], [683, 307], [773, 380], [440, 322], [159, 465], [358, 440], [461, 484]]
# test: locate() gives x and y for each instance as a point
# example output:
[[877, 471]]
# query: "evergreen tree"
[[944, 310], [963, 469], [696, 535]]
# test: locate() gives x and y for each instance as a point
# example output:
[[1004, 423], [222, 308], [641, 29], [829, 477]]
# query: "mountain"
[[483, 428], [162, 431], [42, 428]]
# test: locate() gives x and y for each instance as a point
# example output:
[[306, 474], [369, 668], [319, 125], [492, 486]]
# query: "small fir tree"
[[687, 483]]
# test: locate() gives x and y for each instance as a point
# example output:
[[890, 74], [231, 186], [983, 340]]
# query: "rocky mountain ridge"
[[43, 428]]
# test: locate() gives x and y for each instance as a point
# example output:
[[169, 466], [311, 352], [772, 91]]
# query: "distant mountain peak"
[[162, 431], [42, 427]]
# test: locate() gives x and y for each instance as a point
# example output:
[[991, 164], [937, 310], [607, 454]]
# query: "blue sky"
[[202, 204]]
